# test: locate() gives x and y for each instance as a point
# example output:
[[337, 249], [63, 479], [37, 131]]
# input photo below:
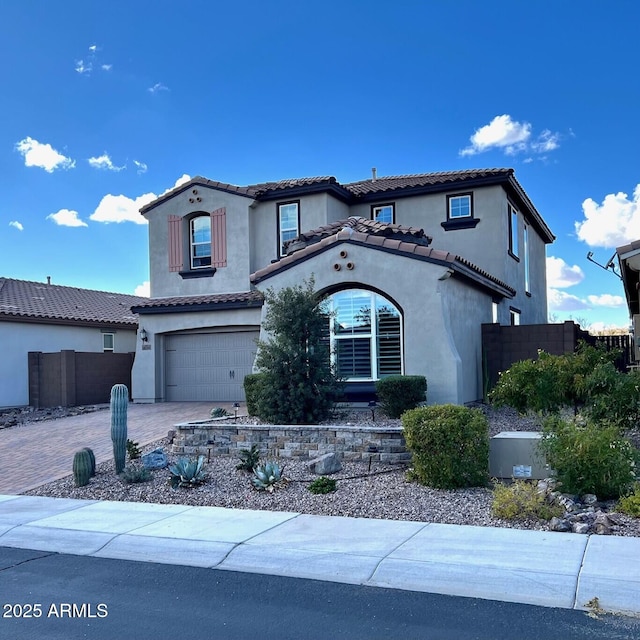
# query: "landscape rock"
[[156, 459], [325, 465]]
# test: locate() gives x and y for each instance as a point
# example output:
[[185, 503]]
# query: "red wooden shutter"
[[175, 243], [219, 238]]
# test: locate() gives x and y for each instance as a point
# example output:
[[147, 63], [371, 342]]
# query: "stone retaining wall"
[[220, 437]]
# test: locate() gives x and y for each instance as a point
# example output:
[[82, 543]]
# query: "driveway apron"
[[34, 454]]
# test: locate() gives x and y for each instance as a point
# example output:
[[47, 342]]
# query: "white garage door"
[[208, 366]]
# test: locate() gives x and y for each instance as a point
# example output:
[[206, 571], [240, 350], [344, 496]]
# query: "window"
[[460, 212], [514, 316], [107, 341], [527, 280], [200, 242], [459, 206], [365, 333], [513, 231], [494, 312], [288, 223], [383, 213]]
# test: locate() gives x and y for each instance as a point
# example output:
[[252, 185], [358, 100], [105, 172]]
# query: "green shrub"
[[631, 504], [133, 450], [322, 485], [589, 457], [253, 384], [522, 501], [249, 458], [132, 475], [218, 412], [449, 445], [299, 384], [398, 394]]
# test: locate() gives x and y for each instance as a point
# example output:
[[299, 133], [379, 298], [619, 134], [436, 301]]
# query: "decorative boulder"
[[156, 459], [325, 464]]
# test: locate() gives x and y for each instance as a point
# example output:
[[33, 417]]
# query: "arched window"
[[366, 335]]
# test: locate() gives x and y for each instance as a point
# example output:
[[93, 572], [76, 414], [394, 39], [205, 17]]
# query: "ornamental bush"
[[298, 384], [521, 500], [588, 457], [252, 389], [449, 445], [398, 394]]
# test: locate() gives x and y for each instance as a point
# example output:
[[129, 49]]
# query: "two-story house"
[[410, 265]]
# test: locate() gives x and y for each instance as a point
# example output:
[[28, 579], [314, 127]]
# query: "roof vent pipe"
[[48, 279], [374, 174]]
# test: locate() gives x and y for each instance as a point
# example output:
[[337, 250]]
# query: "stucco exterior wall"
[[18, 338], [147, 377], [233, 277], [434, 326]]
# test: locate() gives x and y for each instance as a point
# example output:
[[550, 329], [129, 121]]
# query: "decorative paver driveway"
[[40, 452]]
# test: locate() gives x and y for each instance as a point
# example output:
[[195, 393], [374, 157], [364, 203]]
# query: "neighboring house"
[[42, 317], [411, 266]]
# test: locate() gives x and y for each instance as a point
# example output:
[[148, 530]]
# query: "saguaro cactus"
[[81, 467], [92, 458], [119, 405]]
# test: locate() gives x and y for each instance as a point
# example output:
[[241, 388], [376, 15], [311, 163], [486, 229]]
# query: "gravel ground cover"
[[363, 490]]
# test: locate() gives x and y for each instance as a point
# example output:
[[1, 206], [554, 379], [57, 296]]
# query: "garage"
[[208, 366]]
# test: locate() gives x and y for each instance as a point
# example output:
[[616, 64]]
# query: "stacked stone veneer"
[[301, 442]]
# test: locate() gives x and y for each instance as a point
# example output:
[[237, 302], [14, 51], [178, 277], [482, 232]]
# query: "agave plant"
[[219, 412], [267, 476], [249, 458], [187, 473]]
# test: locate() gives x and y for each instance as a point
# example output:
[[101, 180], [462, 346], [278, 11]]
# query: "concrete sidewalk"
[[512, 565]]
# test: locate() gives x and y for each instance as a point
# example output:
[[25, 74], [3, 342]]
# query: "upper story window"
[[383, 213], [108, 340], [513, 232], [527, 276], [514, 316], [197, 243], [200, 241], [460, 213], [288, 223]]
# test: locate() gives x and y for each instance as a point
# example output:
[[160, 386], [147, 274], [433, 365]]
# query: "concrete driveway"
[[35, 454]]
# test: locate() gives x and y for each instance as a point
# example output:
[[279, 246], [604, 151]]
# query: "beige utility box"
[[514, 454]]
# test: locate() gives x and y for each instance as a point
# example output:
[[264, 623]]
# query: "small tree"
[[298, 385]]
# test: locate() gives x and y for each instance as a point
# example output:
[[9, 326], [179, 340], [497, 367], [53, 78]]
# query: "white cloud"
[[143, 289], [106, 67], [142, 167], [611, 224], [560, 274], [83, 67], [104, 162], [512, 136], [16, 225], [121, 208], [67, 218], [37, 154], [124, 209], [93, 48], [158, 86], [607, 300], [502, 131], [562, 301]]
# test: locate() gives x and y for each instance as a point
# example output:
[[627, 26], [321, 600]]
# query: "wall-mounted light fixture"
[[144, 336]]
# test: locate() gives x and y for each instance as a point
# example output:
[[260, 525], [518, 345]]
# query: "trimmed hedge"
[[398, 394], [252, 389], [449, 445]]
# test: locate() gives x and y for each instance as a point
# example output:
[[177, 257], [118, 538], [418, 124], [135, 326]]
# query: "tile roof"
[[391, 183], [39, 301], [360, 225], [200, 303], [411, 244]]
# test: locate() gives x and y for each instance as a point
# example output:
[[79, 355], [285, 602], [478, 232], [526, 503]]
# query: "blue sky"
[[107, 104]]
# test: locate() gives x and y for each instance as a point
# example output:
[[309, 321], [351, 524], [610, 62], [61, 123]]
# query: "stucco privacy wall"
[[18, 338], [148, 374], [430, 342], [233, 277]]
